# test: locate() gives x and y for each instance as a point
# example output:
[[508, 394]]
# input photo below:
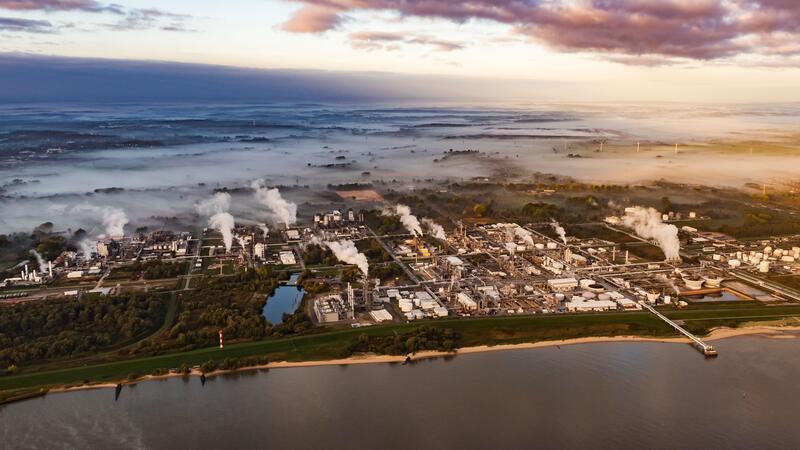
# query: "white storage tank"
[[763, 266], [552, 245], [734, 263]]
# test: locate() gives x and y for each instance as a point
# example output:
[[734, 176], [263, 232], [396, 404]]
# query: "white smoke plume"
[[559, 230], [264, 229], [406, 218], [346, 251], [218, 203], [114, 219], [524, 234], [86, 247], [647, 223], [285, 211], [220, 219], [224, 223], [42, 263], [436, 230]]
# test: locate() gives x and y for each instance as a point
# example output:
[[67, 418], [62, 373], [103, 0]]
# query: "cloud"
[[693, 29], [60, 5], [25, 25], [150, 18], [132, 19], [313, 19], [386, 40]]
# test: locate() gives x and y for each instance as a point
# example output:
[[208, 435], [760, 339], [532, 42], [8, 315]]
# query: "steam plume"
[[221, 220], [436, 230], [285, 211], [524, 234], [647, 223], [347, 252], [40, 261], [559, 230], [86, 247], [114, 219], [406, 218]]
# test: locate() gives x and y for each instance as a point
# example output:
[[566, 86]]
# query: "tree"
[[480, 209], [666, 204]]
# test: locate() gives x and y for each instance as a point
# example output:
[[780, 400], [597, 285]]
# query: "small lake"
[[284, 300]]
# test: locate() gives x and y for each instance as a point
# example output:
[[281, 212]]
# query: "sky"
[[590, 50]]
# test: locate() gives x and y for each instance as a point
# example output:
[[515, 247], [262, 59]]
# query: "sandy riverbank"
[[774, 332]]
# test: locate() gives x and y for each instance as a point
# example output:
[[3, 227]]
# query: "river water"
[[603, 395]]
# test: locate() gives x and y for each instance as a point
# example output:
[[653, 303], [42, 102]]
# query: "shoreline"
[[766, 331]]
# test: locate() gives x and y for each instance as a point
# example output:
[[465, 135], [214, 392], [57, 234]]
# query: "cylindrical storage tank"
[[716, 257], [589, 295], [778, 252], [734, 263], [763, 267], [767, 250], [738, 255], [586, 282], [539, 246], [552, 245], [596, 287], [604, 297], [560, 297]]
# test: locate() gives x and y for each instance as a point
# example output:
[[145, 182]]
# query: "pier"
[[704, 348]]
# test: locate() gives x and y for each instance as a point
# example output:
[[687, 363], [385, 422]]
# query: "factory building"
[[562, 284]]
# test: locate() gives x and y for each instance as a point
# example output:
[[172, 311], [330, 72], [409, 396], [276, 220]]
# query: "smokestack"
[[626, 256], [367, 299], [50, 268], [637, 146]]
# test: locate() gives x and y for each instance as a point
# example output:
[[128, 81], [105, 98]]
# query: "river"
[[601, 395]]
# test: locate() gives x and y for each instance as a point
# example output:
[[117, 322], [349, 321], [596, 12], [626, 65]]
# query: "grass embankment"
[[334, 344], [330, 345]]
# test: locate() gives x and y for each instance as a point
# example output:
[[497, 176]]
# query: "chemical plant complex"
[[479, 270]]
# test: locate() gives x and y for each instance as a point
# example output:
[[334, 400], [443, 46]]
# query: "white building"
[[259, 250], [380, 315], [287, 258], [579, 304], [562, 284], [466, 301]]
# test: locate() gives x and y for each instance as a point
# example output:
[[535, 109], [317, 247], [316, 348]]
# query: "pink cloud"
[[696, 29], [313, 19]]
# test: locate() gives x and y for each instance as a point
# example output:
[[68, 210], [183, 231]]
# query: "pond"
[[284, 300]]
